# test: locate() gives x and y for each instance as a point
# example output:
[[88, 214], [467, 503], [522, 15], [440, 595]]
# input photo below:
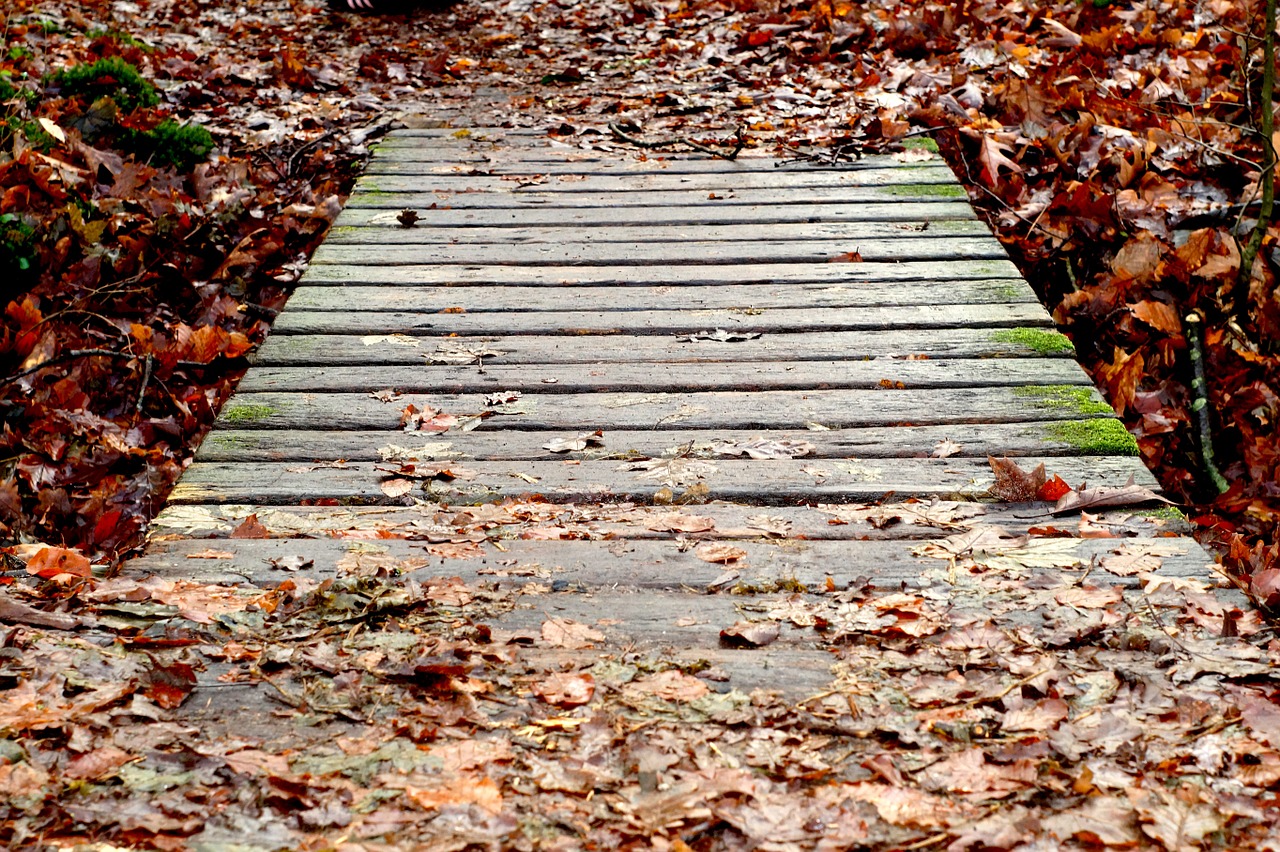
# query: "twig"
[[1200, 402], [67, 356], [1266, 128], [146, 380], [293, 158], [738, 133]]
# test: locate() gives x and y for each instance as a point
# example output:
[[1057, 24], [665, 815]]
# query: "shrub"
[[112, 77]]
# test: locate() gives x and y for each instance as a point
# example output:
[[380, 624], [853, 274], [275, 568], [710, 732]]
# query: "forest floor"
[[1108, 146]]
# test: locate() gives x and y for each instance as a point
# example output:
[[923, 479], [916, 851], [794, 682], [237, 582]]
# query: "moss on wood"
[[1044, 341], [1082, 401], [1101, 436]]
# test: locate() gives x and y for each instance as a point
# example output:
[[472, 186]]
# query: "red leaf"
[[1054, 489], [170, 685]]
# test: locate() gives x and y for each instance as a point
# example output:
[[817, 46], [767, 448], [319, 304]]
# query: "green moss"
[[247, 412], [1102, 436], [920, 142], [110, 77], [930, 190], [229, 442], [172, 144], [1011, 292], [1080, 400], [1165, 513], [122, 38], [1041, 340]]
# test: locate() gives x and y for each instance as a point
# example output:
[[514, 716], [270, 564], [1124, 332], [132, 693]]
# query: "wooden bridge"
[[753, 344]]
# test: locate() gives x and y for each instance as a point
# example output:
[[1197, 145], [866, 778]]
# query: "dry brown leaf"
[[1013, 484], [680, 522], [719, 552], [750, 634], [573, 635], [565, 689]]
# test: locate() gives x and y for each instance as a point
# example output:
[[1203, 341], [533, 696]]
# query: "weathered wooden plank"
[[385, 198], [480, 298], [641, 377], [427, 233], [441, 216], [744, 321], [637, 564], [1099, 436], [517, 155], [691, 253], [626, 521], [339, 349], [637, 181], [834, 409], [942, 273], [766, 482], [551, 165]]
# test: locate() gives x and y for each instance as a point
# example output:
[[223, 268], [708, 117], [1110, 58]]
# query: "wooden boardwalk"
[[645, 359]]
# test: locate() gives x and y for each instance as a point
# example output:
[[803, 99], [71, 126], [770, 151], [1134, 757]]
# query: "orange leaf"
[[51, 561]]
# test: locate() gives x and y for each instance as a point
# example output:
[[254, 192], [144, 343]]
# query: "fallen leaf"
[[761, 448], [718, 552], [251, 528], [396, 486], [945, 449], [573, 635], [680, 522], [719, 336], [1128, 494], [1013, 484], [566, 689], [49, 562], [750, 634], [578, 442]]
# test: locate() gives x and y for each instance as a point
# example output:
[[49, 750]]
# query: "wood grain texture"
[[399, 196], [690, 253], [637, 564], [606, 521], [763, 482], [848, 274], [980, 440], [641, 377], [632, 181], [438, 215], [833, 409], [797, 347], [478, 298], [428, 233]]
